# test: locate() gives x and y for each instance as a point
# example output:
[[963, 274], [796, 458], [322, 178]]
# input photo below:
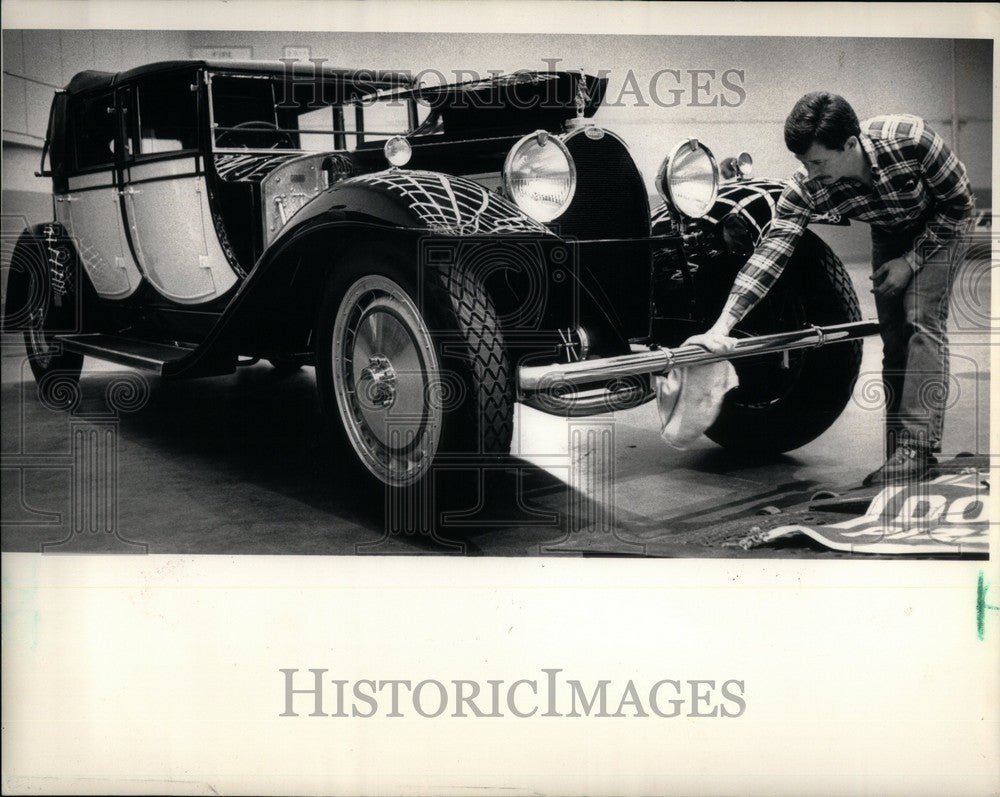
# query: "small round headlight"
[[540, 176], [689, 178], [745, 163], [397, 151]]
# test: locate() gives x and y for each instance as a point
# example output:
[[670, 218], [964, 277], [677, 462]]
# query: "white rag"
[[689, 400]]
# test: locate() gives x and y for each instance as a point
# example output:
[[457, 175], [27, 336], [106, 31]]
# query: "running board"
[[133, 352]]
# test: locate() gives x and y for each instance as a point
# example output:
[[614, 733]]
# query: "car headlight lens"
[[397, 151], [540, 176], [689, 178]]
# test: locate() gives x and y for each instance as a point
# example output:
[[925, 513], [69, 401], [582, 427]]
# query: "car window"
[[309, 117], [385, 119], [244, 114], [93, 124], [316, 128], [168, 114]]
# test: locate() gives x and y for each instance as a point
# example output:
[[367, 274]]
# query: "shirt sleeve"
[[945, 177], [778, 241]]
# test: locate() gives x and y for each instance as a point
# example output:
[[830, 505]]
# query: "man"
[[898, 175]]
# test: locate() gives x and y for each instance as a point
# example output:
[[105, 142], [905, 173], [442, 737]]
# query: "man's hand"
[[714, 340], [891, 278]]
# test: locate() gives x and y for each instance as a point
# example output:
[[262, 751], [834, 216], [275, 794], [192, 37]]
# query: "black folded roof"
[[93, 80]]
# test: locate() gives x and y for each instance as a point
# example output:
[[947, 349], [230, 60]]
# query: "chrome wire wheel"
[[386, 374]]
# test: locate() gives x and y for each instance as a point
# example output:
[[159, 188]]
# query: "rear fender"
[[45, 271]]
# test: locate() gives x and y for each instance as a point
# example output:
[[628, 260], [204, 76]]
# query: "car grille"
[[610, 199]]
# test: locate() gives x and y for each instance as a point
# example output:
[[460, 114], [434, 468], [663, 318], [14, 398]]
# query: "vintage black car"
[[437, 253]]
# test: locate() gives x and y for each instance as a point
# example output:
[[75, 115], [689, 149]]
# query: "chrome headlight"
[[397, 151], [540, 176], [744, 162], [689, 178]]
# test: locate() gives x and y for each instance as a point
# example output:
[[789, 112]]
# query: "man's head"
[[822, 131]]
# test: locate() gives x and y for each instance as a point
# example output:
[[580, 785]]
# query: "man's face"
[[826, 166]]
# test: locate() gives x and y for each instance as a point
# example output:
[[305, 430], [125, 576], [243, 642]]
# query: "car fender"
[[31, 274], [395, 205], [419, 201], [755, 202], [702, 249], [752, 201]]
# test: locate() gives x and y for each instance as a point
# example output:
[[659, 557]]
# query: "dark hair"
[[820, 118]]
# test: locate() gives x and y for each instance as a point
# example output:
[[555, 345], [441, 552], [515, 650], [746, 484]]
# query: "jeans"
[[913, 326]]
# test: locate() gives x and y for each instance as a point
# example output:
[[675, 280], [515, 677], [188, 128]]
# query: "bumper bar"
[[562, 376]]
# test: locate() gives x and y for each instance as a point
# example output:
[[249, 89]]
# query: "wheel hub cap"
[[386, 377], [378, 382]]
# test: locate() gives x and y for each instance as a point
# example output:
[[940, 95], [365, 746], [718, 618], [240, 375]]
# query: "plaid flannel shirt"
[[916, 179]]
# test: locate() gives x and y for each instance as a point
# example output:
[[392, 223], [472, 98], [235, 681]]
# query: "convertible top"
[[521, 90], [95, 81]]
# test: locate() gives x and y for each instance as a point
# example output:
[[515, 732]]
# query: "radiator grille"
[[610, 200]]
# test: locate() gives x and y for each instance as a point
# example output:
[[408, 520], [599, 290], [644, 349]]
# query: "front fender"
[[276, 304], [419, 201], [753, 201]]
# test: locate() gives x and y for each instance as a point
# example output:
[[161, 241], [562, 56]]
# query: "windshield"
[[251, 113]]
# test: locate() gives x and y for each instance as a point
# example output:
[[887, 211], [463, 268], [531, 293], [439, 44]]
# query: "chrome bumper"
[[553, 387]]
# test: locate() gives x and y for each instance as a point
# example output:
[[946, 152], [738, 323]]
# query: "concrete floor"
[[234, 465]]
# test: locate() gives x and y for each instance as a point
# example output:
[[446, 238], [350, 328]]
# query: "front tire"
[[414, 373], [782, 402]]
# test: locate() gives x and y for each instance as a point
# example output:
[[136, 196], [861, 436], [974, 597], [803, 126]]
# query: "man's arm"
[[763, 268], [945, 177]]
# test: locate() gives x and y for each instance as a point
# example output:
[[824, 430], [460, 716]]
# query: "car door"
[[166, 200], [91, 209]]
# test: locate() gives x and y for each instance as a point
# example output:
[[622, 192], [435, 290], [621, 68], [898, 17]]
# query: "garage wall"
[[876, 75], [733, 93]]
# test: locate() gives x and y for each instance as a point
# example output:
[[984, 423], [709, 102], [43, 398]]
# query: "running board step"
[[132, 352]]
